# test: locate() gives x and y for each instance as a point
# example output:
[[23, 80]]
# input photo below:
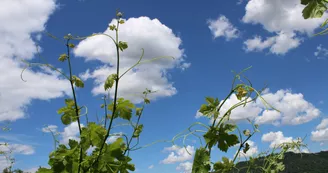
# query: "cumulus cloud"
[[151, 167], [17, 148], [14, 149], [23, 19], [294, 109], [70, 132], [178, 154], [283, 19], [221, 27], [321, 132], [321, 52], [50, 128], [279, 44], [143, 32], [184, 167], [276, 138], [323, 124]]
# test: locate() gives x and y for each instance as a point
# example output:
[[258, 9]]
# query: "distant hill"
[[297, 163]]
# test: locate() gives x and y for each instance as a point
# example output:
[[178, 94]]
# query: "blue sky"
[[208, 40]]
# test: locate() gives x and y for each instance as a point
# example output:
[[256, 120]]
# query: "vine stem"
[[115, 97], [242, 143], [75, 102], [105, 106], [135, 129]]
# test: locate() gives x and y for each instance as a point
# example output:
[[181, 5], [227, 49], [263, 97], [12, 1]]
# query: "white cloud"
[[279, 17], [253, 149], [294, 109], [320, 135], [185, 65], [178, 154], [279, 44], [256, 43], [321, 52], [50, 128], [14, 149], [323, 124], [70, 132], [221, 27], [251, 110], [185, 167], [22, 19], [151, 167], [156, 39], [4, 163], [198, 115], [321, 132], [17, 148], [276, 138], [269, 116]]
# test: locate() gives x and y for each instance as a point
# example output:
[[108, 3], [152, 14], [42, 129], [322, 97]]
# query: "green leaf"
[[146, 100], [137, 131], [210, 109], [72, 143], [226, 141], [102, 106], [209, 100], [71, 45], [211, 137], [241, 92], [223, 167], [121, 21], [221, 137], [123, 108], [44, 170], [95, 133], [77, 81], [114, 150], [229, 127], [247, 132], [305, 2], [314, 8], [112, 27], [68, 113], [62, 57], [201, 162], [246, 148], [66, 119], [110, 81], [138, 111], [122, 45]]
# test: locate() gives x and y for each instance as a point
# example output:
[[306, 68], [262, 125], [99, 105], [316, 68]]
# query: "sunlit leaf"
[[77, 81], [201, 162], [110, 81], [62, 57], [122, 45]]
